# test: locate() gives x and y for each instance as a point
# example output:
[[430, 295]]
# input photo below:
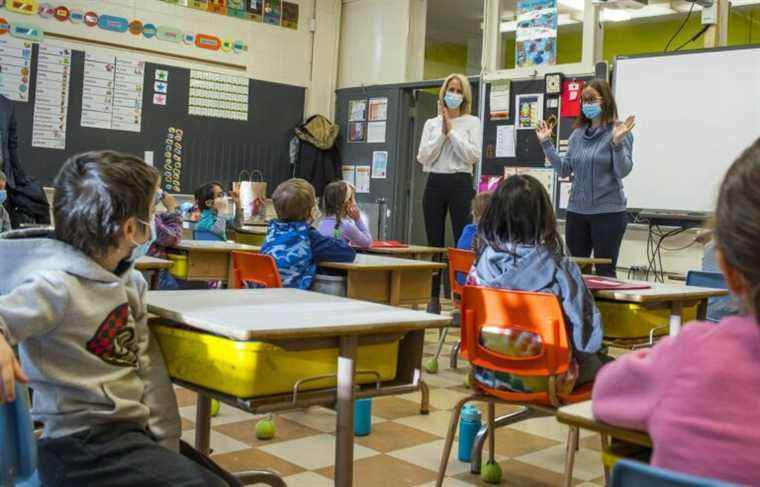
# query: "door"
[[425, 106]]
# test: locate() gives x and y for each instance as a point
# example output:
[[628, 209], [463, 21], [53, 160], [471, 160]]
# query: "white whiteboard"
[[695, 113]]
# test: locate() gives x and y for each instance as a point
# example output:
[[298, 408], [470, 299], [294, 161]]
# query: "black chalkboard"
[[213, 148]]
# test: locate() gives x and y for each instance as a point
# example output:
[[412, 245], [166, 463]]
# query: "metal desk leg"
[[425, 398], [676, 308], [344, 448], [203, 424]]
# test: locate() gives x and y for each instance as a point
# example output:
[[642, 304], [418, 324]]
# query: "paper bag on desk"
[[253, 195]]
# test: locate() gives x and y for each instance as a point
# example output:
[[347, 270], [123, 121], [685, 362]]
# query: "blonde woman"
[[449, 149]]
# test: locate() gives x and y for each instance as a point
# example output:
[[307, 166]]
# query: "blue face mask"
[[453, 100], [159, 196], [3, 196], [592, 110], [142, 249]]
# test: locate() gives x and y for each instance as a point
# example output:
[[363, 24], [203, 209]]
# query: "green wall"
[[619, 39]]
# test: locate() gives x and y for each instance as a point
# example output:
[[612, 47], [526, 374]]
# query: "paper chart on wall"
[[376, 132], [362, 179], [349, 174], [218, 95], [15, 69], [51, 102], [505, 141], [112, 92], [380, 164], [378, 109]]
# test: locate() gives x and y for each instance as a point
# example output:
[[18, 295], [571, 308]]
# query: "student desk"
[[387, 280], [154, 266], [416, 252], [209, 260], [250, 234], [580, 415], [668, 296], [302, 320]]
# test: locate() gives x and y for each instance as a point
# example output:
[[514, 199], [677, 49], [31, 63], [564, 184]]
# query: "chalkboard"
[[213, 148]]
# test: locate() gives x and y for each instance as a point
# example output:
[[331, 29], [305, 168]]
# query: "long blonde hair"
[[466, 107]]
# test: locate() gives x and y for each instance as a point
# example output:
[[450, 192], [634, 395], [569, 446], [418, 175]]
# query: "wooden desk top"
[[152, 264], [581, 415], [369, 262], [256, 314], [410, 250], [658, 293], [252, 229], [212, 246]]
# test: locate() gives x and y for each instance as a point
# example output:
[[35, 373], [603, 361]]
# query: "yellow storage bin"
[[251, 369], [631, 320], [179, 265]]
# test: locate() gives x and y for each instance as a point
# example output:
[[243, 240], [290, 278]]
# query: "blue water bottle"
[[469, 425], [362, 417]]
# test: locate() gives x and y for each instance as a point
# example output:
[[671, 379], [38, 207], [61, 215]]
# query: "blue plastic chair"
[[203, 235], [717, 308], [18, 455], [628, 473]]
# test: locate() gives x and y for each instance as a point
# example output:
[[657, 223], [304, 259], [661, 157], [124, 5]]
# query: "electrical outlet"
[[710, 14]]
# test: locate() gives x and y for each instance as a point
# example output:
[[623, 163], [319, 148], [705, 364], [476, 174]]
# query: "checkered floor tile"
[[404, 447]]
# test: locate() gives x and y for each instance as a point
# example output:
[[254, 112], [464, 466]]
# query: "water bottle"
[[469, 425], [362, 417]]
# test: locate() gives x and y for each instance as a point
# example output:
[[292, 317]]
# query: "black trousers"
[[124, 455], [602, 234], [446, 193]]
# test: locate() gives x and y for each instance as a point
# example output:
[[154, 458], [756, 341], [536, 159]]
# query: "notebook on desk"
[[388, 244], [599, 283]]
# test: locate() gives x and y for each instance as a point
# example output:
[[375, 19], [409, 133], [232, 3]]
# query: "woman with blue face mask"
[[599, 156], [449, 150], [5, 219]]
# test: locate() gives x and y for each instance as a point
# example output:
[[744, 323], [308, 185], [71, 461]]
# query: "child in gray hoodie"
[[523, 252], [76, 308]]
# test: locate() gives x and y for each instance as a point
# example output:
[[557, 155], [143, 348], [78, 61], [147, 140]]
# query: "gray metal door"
[[425, 106]]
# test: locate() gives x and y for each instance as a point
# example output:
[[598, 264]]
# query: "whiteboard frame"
[[614, 82]]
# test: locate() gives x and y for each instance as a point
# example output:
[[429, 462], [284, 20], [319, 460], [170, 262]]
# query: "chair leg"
[[605, 446], [455, 355], [476, 455], [572, 446], [450, 438], [255, 477], [431, 365], [492, 435], [424, 399]]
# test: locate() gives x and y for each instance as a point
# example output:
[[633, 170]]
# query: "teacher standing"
[[450, 147], [598, 157]]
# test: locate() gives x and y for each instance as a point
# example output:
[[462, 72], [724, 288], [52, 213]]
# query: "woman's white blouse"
[[456, 152]]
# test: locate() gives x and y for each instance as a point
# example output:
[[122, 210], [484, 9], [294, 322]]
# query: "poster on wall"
[[356, 132], [15, 69], [272, 12], [530, 111], [378, 109], [51, 102], [499, 100], [290, 15], [357, 110], [349, 174], [362, 179], [380, 164], [536, 37], [256, 10]]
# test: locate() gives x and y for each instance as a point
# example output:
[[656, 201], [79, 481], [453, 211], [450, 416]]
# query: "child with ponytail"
[[342, 219]]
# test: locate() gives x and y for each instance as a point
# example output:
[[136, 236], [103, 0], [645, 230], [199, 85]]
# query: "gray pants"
[[123, 455]]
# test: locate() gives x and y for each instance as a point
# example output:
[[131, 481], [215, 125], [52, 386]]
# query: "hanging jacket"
[[319, 160]]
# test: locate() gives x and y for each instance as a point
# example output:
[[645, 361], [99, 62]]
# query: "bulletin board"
[[210, 148], [527, 149]]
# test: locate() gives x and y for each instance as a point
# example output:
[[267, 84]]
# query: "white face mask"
[[141, 249]]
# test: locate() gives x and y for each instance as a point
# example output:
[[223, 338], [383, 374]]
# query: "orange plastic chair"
[[538, 313], [257, 268], [460, 263]]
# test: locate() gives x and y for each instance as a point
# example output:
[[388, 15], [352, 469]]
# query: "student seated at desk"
[[469, 239], [342, 218], [696, 394], [73, 303], [167, 232], [522, 251], [5, 218], [293, 243], [212, 202]]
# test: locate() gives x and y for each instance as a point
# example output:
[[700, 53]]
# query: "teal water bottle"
[[469, 425], [362, 417]]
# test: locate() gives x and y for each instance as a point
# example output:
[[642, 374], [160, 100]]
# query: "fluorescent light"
[[654, 10], [562, 19], [613, 15]]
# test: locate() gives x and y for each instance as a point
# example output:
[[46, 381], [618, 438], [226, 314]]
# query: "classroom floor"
[[404, 447]]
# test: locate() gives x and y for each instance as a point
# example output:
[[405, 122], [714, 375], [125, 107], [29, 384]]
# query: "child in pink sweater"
[[697, 395]]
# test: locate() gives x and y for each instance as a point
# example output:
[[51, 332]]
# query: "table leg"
[[702, 310], [203, 424], [676, 317], [395, 291], [230, 272], [344, 448]]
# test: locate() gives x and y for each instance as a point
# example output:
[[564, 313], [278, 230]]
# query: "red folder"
[[599, 283]]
